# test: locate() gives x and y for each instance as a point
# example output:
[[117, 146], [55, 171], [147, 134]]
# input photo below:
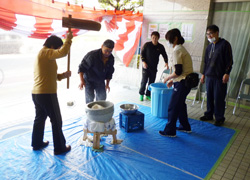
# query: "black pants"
[[177, 108], [216, 94], [47, 105], [148, 77]]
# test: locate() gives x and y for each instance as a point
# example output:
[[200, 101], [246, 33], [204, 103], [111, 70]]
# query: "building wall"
[[191, 17]]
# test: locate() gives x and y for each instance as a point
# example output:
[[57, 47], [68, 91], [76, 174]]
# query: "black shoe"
[[206, 118], [67, 149], [218, 123], [45, 144], [162, 133], [183, 130]]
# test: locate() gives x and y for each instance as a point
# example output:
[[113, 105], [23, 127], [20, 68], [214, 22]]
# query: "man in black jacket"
[[97, 67], [218, 65], [150, 58]]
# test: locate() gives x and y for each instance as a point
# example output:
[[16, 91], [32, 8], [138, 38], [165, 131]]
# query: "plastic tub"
[[160, 98]]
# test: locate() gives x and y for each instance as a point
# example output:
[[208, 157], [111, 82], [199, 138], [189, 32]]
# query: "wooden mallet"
[[70, 22]]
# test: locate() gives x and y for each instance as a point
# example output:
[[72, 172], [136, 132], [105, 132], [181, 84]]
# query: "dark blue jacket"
[[93, 67], [218, 59]]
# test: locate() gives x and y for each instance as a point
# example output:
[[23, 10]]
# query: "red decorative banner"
[[42, 18]]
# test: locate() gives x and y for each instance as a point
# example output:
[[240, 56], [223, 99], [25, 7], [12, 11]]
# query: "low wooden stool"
[[96, 137]]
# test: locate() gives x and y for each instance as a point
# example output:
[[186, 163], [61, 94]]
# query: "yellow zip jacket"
[[45, 69]]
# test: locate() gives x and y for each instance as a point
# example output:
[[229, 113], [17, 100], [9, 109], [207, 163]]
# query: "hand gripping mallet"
[[70, 22]]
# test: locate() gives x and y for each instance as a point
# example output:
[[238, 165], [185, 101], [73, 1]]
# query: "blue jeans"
[[177, 108], [93, 89], [216, 94], [47, 105]]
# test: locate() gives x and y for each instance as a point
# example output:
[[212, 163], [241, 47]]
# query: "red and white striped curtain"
[[42, 18]]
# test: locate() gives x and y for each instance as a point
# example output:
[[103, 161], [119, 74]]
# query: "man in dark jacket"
[[150, 58], [96, 67], [218, 65]]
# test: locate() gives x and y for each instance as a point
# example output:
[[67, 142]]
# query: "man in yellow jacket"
[[44, 93]]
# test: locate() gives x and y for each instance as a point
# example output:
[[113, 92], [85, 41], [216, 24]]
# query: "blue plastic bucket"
[[160, 98]]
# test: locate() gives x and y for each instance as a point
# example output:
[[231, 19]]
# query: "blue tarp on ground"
[[143, 154]]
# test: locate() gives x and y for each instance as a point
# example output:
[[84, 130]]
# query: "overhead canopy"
[[42, 18]]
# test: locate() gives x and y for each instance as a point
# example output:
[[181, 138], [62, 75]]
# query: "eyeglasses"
[[209, 34]]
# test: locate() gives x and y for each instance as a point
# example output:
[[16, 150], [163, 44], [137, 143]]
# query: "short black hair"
[[171, 34], [155, 33], [54, 41], [109, 44], [213, 28]]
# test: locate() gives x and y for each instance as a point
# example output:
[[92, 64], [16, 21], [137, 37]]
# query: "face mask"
[[211, 40], [169, 44]]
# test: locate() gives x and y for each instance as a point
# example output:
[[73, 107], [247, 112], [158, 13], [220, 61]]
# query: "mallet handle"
[[68, 69]]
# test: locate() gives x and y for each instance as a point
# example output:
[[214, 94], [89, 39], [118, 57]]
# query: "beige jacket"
[[181, 56]]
